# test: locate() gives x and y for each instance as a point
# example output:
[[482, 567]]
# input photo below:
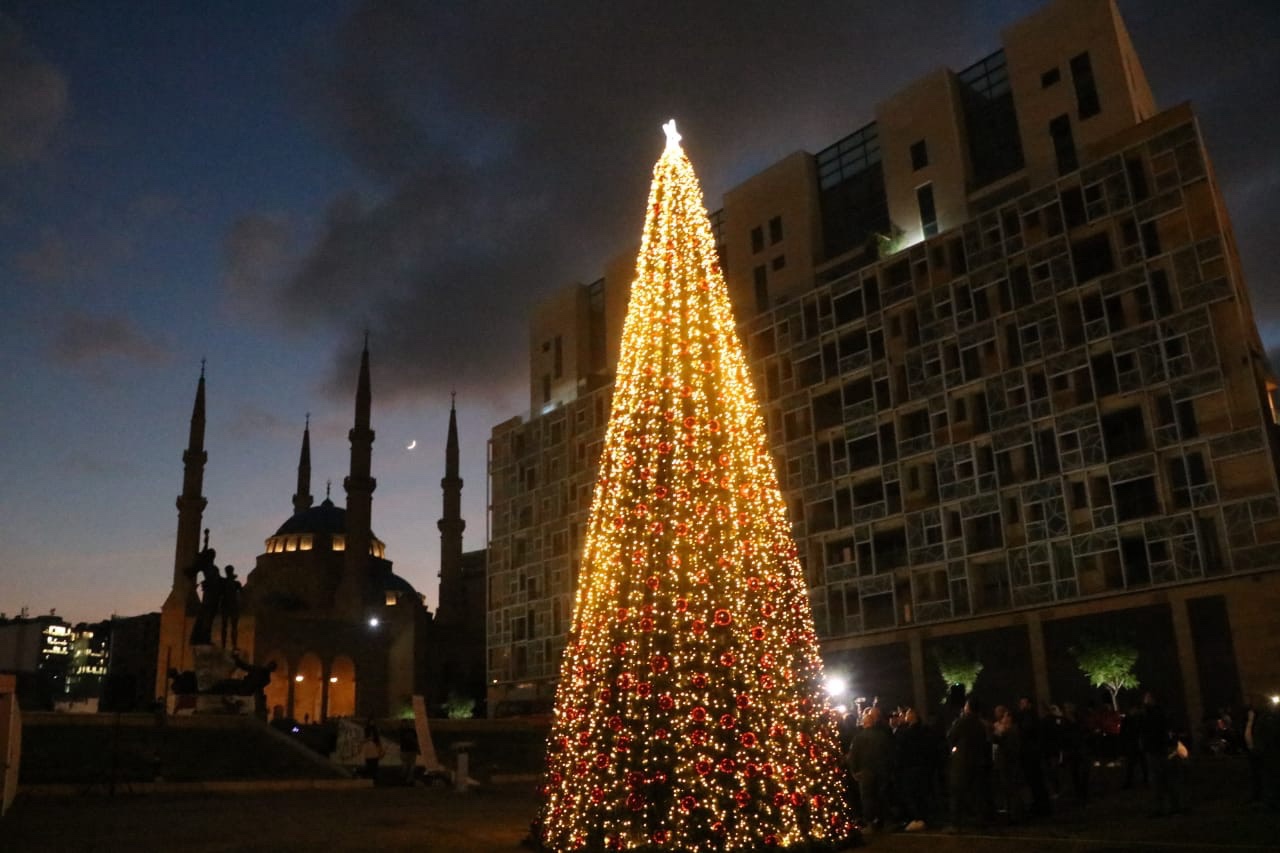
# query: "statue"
[[254, 683], [230, 608], [211, 596]]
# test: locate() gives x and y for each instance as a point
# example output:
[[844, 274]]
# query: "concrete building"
[[1013, 383], [37, 649]]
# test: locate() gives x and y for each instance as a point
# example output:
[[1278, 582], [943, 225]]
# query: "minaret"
[[452, 596], [179, 609], [302, 500], [359, 484], [191, 506]]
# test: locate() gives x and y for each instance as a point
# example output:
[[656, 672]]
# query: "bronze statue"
[[211, 597], [230, 607]]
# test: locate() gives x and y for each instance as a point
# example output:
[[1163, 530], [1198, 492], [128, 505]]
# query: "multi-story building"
[[1013, 384], [38, 650]]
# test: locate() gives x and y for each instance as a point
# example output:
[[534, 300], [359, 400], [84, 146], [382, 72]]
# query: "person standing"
[[913, 764], [870, 763], [1006, 759], [1029, 735], [1157, 747], [371, 751], [970, 762], [409, 750]]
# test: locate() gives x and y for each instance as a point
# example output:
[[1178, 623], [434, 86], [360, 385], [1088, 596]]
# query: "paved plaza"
[[494, 819]]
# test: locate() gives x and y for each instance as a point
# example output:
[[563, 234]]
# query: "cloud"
[[257, 254], [33, 99], [84, 340], [504, 152], [59, 258], [254, 422]]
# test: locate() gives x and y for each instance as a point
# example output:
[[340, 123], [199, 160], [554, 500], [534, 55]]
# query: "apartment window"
[[762, 288], [779, 262], [1123, 432], [919, 156], [1136, 499], [775, 230], [1048, 78], [1090, 258], [928, 214], [558, 358], [1064, 145], [757, 239], [1186, 474], [1086, 88], [1150, 240]]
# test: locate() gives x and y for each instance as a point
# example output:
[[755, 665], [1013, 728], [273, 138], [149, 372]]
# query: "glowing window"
[[391, 597], [339, 543], [304, 542]]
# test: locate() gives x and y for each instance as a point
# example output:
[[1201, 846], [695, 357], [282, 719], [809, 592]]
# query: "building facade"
[[1014, 388]]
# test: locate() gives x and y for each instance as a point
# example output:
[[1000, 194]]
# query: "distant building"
[[38, 650], [90, 651], [1013, 384], [131, 666]]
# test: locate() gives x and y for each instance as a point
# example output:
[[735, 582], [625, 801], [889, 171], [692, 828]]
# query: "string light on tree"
[[690, 713]]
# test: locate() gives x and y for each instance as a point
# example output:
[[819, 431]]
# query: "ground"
[[495, 818]]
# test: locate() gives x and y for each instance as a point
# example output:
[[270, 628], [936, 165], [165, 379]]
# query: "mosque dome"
[[321, 527]]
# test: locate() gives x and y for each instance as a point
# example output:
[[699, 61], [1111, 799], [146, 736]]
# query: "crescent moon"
[[412, 444]]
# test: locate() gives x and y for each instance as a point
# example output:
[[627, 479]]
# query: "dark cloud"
[[506, 147], [258, 253], [60, 258], [87, 341], [33, 99]]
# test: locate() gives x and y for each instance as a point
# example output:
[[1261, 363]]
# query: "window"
[[1048, 78], [1078, 495], [928, 214], [1186, 474], [775, 230], [919, 156], [1136, 499], [757, 239], [779, 262], [1150, 240], [1123, 432], [1064, 146], [1090, 258], [1087, 104], [546, 387], [558, 368], [762, 289]]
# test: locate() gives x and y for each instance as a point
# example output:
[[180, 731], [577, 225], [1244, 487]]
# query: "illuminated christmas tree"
[[690, 713]]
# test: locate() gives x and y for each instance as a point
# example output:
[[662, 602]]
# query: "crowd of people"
[[1010, 763]]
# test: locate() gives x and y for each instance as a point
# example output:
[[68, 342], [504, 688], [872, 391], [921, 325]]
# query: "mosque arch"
[[308, 689], [342, 688]]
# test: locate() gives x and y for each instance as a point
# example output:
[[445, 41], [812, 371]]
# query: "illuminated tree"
[[1108, 662], [690, 713], [958, 664]]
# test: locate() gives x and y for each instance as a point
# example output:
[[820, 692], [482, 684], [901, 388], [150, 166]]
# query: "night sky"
[[259, 183]]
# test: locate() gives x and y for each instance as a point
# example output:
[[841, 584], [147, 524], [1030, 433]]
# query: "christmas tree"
[[690, 713]]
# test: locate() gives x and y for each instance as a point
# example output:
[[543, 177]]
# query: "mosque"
[[347, 635]]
